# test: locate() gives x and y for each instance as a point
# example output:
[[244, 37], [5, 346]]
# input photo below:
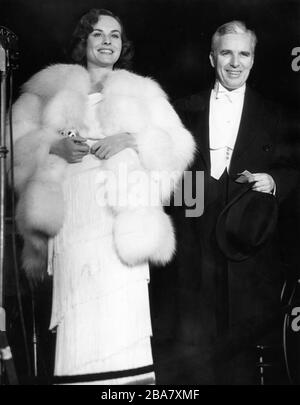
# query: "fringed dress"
[[100, 305]]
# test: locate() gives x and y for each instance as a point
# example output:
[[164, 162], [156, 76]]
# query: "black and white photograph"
[[150, 195]]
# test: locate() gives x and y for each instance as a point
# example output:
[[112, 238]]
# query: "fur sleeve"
[[165, 146], [26, 114], [32, 141]]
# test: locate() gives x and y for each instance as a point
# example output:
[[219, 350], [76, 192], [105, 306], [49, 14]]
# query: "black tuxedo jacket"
[[221, 308], [261, 144], [224, 306]]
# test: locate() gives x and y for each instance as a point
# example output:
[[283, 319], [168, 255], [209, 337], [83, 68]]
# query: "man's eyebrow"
[[229, 50]]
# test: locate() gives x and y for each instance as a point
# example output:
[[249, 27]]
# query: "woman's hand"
[[71, 149], [109, 146], [263, 183]]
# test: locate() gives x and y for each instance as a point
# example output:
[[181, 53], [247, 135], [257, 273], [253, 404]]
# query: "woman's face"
[[104, 44]]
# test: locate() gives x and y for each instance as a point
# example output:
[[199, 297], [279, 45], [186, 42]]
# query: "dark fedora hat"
[[246, 223]]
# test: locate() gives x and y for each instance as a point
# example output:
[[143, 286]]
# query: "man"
[[229, 309]]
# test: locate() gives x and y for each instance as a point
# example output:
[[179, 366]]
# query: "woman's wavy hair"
[[77, 48]]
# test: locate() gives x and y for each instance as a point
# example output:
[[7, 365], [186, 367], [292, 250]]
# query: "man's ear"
[[211, 58]]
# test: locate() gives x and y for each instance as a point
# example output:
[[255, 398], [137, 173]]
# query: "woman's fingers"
[[96, 146], [102, 152], [84, 148], [78, 138]]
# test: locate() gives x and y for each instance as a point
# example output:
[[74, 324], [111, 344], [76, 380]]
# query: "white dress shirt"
[[224, 121]]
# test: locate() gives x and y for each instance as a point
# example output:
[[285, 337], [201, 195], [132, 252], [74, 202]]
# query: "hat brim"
[[229, 244]]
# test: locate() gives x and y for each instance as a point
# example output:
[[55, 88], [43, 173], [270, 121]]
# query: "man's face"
[[232, 59]]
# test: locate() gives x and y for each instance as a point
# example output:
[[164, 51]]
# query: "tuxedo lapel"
[[200, 127], [248, 129]]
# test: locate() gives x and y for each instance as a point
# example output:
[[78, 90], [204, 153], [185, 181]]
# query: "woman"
[[77, 130]]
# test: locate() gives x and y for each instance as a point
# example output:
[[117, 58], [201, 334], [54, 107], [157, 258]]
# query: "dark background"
[[171, 38], [172, 43]]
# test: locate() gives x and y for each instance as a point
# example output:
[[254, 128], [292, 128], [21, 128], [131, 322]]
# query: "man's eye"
[[247, 54], [225, 53]]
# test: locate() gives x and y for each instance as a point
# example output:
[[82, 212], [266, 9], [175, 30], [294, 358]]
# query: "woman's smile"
[[104, 44]]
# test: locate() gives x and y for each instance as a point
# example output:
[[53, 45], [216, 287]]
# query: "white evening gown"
[[100, 306]]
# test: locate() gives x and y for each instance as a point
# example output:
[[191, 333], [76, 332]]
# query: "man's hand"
[[263, 183], [71, 149], [109, 146]]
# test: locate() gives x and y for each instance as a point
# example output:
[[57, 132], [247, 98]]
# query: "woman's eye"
[[115, 36], [97, 34]]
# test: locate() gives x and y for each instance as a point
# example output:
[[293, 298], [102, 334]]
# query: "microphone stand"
[[6, 360]]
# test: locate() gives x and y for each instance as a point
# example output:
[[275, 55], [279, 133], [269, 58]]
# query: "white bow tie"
[[222, 93]]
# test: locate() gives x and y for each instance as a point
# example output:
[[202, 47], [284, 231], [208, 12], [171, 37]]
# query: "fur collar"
[[55, 78]]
